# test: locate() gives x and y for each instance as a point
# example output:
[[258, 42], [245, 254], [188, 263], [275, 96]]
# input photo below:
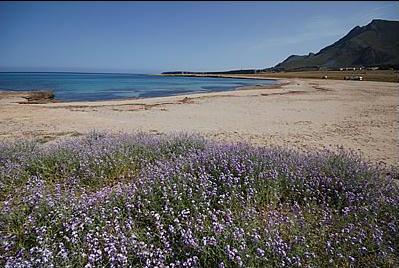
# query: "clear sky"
[[150, 37]]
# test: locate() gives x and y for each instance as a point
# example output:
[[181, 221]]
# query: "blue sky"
[[150, 37]]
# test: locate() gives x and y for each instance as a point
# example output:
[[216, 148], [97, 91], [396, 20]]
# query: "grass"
[[368, 75], [106, 200]]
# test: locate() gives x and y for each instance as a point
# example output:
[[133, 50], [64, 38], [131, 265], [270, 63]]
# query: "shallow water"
[[94, 86]]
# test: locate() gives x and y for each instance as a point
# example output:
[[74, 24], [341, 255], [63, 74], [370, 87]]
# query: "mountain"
[[376, 44]]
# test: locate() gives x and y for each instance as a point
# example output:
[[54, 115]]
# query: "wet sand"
[[301, 113]]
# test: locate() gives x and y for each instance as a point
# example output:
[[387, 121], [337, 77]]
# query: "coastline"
[[367, 75], [234, 76], [47, 96], [28, 94], [297, 113]]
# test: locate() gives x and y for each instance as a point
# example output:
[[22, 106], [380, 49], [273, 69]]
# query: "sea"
[[110, 86]]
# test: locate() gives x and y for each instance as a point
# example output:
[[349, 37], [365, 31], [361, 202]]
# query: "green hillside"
[[376, 44]]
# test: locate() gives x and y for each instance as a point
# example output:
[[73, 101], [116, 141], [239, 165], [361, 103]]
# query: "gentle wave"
[[91, 86]]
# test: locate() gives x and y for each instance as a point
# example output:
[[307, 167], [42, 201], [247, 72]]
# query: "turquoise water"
[[91, 86]]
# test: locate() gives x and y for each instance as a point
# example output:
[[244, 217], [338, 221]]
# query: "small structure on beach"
[[354, 77], [351, 68]]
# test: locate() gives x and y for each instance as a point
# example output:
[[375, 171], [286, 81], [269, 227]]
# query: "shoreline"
[[237, 76], [367, 75], [29, 93], [296, 113]]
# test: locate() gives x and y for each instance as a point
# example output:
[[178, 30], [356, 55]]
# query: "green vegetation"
[[180, 201]]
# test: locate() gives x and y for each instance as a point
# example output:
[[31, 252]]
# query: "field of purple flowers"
[[180, 201]]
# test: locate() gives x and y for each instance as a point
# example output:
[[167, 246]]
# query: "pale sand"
[[304, 114]]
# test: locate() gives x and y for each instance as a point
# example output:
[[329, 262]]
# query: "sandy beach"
[[300, 113]]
